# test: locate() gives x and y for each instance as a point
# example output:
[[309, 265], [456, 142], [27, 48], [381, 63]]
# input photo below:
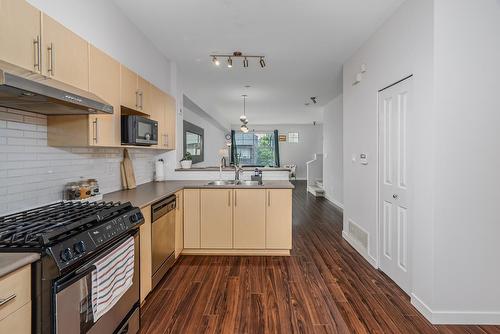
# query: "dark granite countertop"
[[10, 262], [148, 193]]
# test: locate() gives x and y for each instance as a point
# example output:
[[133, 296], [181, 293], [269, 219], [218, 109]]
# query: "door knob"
[[395, 196]]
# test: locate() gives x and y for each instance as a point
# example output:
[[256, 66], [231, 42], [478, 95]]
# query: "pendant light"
[[243, 118]]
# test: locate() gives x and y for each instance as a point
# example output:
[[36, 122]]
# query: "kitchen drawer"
[[18, 284], [18, 322]]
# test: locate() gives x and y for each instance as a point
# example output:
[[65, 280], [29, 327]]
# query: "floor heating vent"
[[358, 234]]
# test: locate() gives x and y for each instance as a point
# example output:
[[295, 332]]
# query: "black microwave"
[[137, 130]]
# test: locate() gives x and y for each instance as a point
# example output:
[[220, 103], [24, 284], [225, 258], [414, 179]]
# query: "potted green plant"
[[186, 161]]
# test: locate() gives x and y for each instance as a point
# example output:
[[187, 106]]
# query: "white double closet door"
[[394, 248]]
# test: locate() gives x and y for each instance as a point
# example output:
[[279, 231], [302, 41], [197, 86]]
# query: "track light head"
[[245, 62], [262, 62], [229, 62], [216, 61]]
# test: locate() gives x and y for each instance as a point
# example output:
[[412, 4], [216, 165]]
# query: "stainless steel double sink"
[[247, 183]]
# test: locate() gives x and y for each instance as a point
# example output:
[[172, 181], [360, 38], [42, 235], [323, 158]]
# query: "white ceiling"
[[304, 41]]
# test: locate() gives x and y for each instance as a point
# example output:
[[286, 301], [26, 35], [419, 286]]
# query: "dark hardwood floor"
[[324, 287]]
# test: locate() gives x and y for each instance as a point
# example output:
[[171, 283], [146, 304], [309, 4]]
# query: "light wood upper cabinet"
[[216, 218], [192, 218], [66, 55], [249, 218], [20, 34], [179, 223], [145, 254], [129, 96], [104, 81], [279, 219], [144, 92], [170, 122]]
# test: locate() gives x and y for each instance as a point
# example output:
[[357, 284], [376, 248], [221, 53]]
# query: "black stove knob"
[[136, 217], [66, 255], [79, 247]]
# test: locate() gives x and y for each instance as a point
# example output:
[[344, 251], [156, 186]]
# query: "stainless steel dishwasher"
[[162, 237]]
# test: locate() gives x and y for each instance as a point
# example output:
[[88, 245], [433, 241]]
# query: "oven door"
[[146, 131], [73, 302]]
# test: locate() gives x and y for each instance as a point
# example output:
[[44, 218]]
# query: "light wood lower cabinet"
[[238, 221], [216, 218], [145, 254], [15, 315], [278, 218], [192, 218], [179, 223], [250, 218]]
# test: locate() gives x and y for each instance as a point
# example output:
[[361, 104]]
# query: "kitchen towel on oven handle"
[[112, 278]]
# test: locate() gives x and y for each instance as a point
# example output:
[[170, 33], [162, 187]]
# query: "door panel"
[[128, 88], [393, 198], [191, 218], [279, 219], [104, 81], [250, 218], [216, 218], [19, 29], [66, 54]]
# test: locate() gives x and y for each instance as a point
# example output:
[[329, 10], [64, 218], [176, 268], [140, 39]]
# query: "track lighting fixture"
[[237, 54]]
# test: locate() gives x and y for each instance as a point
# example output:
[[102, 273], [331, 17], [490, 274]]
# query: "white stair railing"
[[315, 175]]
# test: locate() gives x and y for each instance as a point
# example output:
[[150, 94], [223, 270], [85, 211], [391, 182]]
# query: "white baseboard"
[[360, 250], [455, 317], [337, 204]]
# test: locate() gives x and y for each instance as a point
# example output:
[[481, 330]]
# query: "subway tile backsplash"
[[33, 174]]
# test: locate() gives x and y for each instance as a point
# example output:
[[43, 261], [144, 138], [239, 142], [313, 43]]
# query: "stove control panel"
[[86, 243]]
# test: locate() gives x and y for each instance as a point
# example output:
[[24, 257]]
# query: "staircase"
[[315, 176]]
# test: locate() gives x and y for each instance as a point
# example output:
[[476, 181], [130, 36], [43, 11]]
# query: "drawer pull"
[[4, 301]]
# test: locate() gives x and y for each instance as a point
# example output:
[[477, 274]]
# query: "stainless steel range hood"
[[28, 91]]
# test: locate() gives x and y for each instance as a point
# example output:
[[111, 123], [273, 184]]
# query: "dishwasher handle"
[[163, 207]]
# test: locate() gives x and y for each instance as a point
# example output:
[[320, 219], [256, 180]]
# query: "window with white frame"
[[293, 137]]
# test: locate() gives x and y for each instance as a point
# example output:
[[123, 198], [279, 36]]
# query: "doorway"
[[394, 105]]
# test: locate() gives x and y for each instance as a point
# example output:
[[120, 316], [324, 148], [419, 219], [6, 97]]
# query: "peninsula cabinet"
[[278, 219], [192, 218], [92, 130], [20, 34], [250, 218], [65, 55], [216, 218], [179, 223]]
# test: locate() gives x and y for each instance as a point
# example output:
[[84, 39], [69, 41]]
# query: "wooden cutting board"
[[129, 170], [124, 177]]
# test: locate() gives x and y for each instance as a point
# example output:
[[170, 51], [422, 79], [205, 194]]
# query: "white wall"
[[105, 26], [402, 46], [310, 143], [468, 146], [333, 165], [214, 138]]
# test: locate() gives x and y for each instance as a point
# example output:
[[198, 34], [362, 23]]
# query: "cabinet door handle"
[[268, 198], [137, 99], [36, 47], [235, 198], [52, 54], [140, 100], [229, 198], [95, 131], [4, 301]]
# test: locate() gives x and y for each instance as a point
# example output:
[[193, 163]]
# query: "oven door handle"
[[82, 272]]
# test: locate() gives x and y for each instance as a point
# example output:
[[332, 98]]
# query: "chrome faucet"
[[237, 171]]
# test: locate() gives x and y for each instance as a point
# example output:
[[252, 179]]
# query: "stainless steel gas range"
[[72, 238]]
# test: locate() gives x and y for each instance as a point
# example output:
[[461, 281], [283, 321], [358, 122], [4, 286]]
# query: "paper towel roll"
[[160, 170]]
